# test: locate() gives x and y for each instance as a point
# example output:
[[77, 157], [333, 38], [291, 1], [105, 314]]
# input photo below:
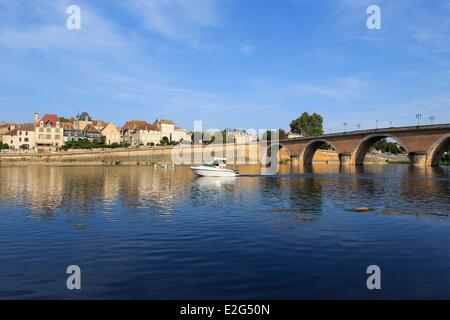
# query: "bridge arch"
[[437, 150], [311, 148], [363, 147], [273, 152]]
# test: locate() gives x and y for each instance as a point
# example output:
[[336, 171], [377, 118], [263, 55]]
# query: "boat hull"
[[213, 172]]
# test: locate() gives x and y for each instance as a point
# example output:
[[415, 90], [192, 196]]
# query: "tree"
[[308, 125], [267, 136], [282, 134], [385, 146], [165, 141], [446, 157]]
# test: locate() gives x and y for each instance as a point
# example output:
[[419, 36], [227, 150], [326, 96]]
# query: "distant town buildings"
[[48, 131], [239, 136], [292, 135], [21, 137], [111, 133], [140, 132], [51, 132]]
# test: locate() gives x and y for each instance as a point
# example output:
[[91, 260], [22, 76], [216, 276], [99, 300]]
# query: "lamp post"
[[345, 126], [432, 119], [418, 116], [390, 124], [377, 124], [358, 126]]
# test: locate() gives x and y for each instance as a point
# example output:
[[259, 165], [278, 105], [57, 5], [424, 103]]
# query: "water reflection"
[[44, 191], [138, 225]]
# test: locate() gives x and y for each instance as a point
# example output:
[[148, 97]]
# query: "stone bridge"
[[425, 145]]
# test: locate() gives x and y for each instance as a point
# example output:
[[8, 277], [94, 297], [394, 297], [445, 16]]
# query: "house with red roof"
[[49, 133]]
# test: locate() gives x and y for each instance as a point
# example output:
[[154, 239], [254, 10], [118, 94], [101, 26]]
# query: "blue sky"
[[242, 64]]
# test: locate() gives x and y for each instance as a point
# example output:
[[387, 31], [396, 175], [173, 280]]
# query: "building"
[[92, 134], [49, 133], [140, 132], [72, 134], [4, 128], [293, 135], [21, 137], [81, 121], [166, 127], [111, 134], [239, 136]]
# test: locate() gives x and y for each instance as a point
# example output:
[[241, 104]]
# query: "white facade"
[[23, 137]]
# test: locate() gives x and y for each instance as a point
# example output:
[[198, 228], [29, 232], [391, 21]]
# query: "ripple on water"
[[137, 232]]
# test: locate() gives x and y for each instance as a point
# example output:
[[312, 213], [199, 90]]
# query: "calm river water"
[[144, 233]]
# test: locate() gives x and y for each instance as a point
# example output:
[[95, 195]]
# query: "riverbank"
[[165, 154]]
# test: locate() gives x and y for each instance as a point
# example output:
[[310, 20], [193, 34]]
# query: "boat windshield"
[[219, 163]]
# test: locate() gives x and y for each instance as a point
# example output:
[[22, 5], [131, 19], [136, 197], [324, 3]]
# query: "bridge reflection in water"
[[145, 233]]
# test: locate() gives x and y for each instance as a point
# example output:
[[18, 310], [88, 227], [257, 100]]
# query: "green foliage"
[[211, 137], [267, 136], [446, 158], [164, 141], [4, 146], [309, 125], [282, 134], [86, 144], [326, 146], [388, 147]]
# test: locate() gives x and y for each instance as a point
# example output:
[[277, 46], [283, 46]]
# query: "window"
[[26, 140], [20, 139], [48, 136], [49, 130], [57, 130], [41, 136], [41, 124], [20, 133], [26, 133], [41, 130], [57, 136]]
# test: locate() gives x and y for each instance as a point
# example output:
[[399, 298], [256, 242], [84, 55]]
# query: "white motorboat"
[[215, 169]]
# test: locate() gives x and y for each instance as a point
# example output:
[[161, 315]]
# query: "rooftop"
[[48, 118]]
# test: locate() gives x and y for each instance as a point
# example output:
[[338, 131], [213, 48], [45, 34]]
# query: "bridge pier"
[[418, 159], [345, 158], [295, 162]]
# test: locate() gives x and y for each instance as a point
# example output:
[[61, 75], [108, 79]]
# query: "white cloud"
[[343, 89], [50, 32], [185, 21]]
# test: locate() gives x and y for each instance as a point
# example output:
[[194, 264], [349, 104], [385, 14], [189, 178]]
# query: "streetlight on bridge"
[[345, 126], [358, 126], [432, 119], [377, 124], [418, 116]]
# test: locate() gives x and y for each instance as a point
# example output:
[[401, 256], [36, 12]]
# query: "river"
[[142, 233]]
